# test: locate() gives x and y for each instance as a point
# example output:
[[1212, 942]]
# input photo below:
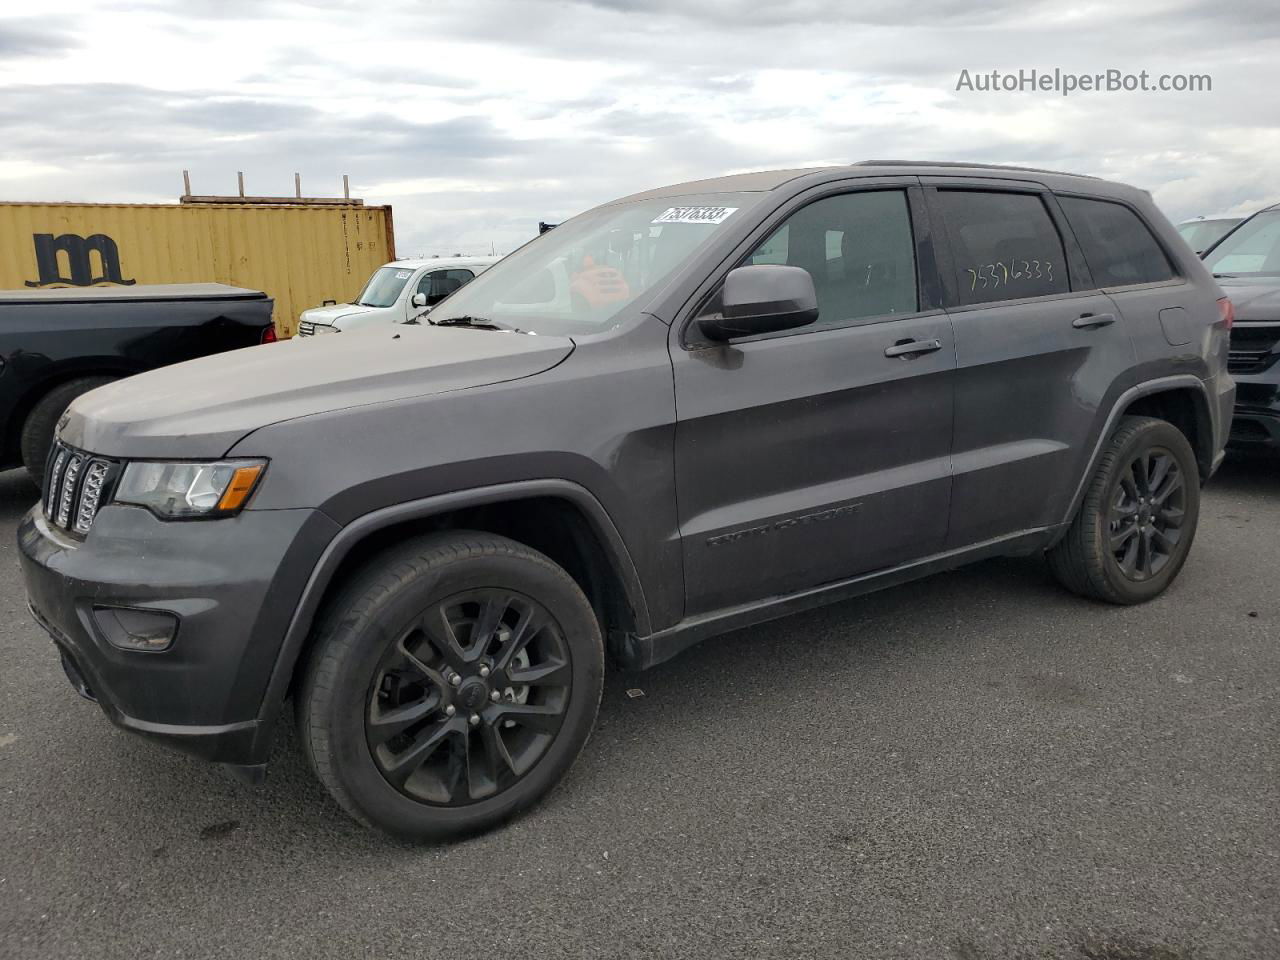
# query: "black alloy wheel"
[[452, 682], [470, 698], [1137, 520], [1147, 512]]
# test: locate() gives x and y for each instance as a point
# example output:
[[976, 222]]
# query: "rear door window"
[[1117, 245], [1004, 245]]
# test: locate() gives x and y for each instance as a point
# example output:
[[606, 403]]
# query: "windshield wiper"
[[479, 323], [1224, 276]]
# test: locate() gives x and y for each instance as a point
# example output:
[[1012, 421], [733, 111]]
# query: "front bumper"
[[1255, 423], [233, 584]]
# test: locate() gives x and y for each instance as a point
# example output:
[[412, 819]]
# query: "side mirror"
[[762, 298], [419, 300]]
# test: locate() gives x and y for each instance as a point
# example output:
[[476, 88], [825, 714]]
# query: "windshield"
[[384, 286], [1253, 249], [581, 276], [1202, 234]]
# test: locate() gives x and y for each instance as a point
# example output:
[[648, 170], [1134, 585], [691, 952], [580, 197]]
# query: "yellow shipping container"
[[300, 253]]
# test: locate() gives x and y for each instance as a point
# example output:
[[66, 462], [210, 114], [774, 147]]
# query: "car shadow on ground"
[[874, 639]]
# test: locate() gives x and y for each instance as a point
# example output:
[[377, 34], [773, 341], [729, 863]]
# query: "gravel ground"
[[973, 766]]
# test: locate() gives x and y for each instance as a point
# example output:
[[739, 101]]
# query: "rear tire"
[[42, 421], [454, 681], [1135, 527]]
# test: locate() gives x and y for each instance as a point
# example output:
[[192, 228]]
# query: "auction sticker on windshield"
[[695, 215]]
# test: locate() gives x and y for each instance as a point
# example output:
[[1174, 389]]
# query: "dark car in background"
[[1203, 232], [687, 411], [57, 344], [1247, 265]]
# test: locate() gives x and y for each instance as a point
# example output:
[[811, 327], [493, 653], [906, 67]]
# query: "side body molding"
[[357, 530]]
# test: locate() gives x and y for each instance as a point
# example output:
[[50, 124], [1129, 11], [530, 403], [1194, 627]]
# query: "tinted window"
[[858, 249], [1004, 244], [1116, 244], [438, 284]]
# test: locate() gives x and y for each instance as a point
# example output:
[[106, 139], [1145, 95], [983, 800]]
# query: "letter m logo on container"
[[80, 271]]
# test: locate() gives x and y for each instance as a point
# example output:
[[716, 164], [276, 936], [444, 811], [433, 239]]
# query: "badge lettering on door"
[[784, 524]]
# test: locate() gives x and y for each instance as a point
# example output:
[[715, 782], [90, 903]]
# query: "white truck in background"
[[398, 292]]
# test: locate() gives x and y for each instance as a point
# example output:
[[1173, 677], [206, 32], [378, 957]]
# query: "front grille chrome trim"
[[77, 486], [53, 480]]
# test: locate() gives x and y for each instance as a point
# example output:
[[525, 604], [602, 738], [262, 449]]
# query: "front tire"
[[1133, 531], [453, 683], [42, 421]]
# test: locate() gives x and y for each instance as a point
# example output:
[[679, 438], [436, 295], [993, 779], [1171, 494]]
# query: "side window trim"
[[1081, 278], [945, 250], [929, 291], [1179, 277]]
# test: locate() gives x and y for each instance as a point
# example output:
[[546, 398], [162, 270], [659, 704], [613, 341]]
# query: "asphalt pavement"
[[973, 766]]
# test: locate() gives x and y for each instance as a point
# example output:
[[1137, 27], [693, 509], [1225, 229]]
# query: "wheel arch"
[[1187, 408], [564, 520], [1182, 400]]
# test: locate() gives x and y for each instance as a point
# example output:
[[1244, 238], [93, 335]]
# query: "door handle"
[[1087, 321], [911, 348]]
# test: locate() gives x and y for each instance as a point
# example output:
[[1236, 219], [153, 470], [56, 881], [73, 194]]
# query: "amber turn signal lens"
[[240, 487]]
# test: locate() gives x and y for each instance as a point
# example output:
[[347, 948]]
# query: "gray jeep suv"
[[686, 411]]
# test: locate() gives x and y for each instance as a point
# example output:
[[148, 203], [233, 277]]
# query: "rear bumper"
[[232, 584], [1255, 422]]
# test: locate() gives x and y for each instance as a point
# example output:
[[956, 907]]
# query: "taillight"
[[269, 334], [1227, 313]]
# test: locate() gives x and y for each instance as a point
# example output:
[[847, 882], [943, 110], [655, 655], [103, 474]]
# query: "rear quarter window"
[[1005, 246], [1117, 245]]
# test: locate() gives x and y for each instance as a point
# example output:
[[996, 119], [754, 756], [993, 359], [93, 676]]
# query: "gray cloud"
[[32, 38], [506, 112]]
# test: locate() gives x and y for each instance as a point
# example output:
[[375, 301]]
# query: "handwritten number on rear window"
[[1001, 274]]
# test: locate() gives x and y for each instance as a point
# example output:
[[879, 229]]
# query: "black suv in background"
[[689, 410], [1247, 264]]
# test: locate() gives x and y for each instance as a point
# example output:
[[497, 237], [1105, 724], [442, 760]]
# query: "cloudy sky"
[[476, 119]]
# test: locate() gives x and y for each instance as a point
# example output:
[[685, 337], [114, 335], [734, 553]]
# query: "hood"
[[202, 407], [1255, 298], [336, 312]]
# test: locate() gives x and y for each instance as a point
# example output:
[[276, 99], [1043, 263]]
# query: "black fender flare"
[[1122, 402], [357, 530]]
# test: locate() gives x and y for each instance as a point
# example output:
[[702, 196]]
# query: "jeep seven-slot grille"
[[76, 485], [1253, 348]]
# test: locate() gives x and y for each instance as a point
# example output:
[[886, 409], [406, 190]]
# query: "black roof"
[[951, 164], [765, 180]]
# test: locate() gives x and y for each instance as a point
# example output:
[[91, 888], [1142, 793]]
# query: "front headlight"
[[188, 490]]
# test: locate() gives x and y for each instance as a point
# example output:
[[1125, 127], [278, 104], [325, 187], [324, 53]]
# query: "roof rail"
[[959, 163]]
